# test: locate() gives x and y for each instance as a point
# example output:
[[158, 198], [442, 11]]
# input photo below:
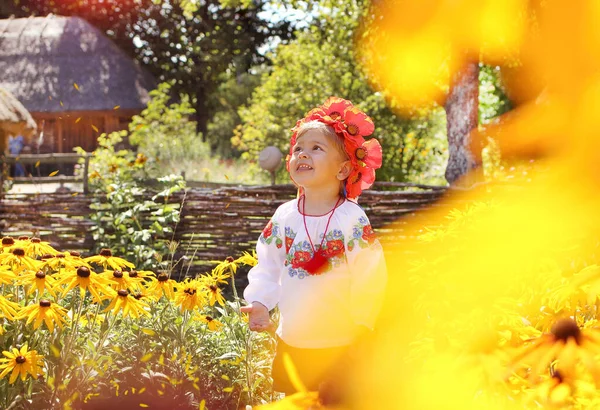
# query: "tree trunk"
[[201, 112], [462, 108]]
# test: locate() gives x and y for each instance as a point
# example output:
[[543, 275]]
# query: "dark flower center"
[[361, 153], [565, 329], [209, 319], [75, 254], [40, 275], [163, 277], [133, 274], [190, 292], [123, 292], [213, 288], [138, 296], [47, 256], [118, 274], [8, 241], [44, 303], [18, 252], [106, 253], [20, 359], [83, 272], [23, 238], [335, 115], [60, 255], [229, 259], [36, 240], [352, 129], [356, 178]]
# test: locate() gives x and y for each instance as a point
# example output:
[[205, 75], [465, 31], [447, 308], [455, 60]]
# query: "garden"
[[129, 295]]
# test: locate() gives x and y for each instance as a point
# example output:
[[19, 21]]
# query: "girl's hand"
[[258, 316]]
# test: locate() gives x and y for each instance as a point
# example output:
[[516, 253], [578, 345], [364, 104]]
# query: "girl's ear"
[[345, 170]]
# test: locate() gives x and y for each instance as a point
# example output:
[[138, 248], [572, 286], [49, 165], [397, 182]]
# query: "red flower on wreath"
[[334, 248], [368, 234], [300, 258], [268, 231]]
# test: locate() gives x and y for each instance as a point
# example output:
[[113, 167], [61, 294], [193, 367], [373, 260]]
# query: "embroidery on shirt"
[[301, 252], [270, 234], [362, 234], [290, 235]]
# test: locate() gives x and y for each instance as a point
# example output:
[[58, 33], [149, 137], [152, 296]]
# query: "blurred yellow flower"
[[35, 247], [6, 275], [163, 286], [7, 308], [214, 294], [21, 362], [18, 261], [189, 295], [45, 311]]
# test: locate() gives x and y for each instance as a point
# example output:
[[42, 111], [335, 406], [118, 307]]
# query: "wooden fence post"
[[86, 167]]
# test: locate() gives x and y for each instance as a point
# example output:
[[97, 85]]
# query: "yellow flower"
[[18, 261], [128, 304], [35, 247], [212, 323], [6, 275], [62, 260], [248, 259], [21, 362], [139, 277], [44, 311], [106, 259], [214, 294], [98, 285], [7, 244], [7, 308], [567, 344], [189, 295], [162, 286], [38, 280], [121, 280], [232, 264]]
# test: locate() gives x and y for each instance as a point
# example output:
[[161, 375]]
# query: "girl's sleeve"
[[368, 272], [264, 279]]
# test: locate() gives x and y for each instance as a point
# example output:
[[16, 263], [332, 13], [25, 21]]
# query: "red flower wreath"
[[352, 125]]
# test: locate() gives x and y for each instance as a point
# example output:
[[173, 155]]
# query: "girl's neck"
[[319, 202]]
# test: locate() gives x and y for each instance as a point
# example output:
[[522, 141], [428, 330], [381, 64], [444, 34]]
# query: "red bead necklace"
[[317, 263]]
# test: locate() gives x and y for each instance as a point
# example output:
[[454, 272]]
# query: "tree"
[[192, 46], [319, 63]]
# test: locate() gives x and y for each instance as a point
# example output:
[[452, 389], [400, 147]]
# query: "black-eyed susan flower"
[[7, 244], [163, 286], [214, 294], [20, 362], [189, 295], [61, 260], [39, 281], [44, 311], [229, 264], [139, 278], [18, 261], [567, 344], [86, 279], [121, 280], [248, 259], [7, 308], [7, 276], [106, 259], [35, 247], [212, 323], [123, 301]]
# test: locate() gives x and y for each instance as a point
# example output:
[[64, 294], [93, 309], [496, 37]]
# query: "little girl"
[[318, 257]]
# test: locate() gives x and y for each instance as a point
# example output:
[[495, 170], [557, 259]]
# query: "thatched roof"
[[41, 58], [14, 118]]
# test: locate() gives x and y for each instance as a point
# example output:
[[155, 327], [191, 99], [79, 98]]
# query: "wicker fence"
[[215, 222]]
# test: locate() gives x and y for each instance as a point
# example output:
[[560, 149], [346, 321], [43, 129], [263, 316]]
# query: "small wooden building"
[[75, 81]]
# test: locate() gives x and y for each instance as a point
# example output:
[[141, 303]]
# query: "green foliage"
[[164, 131], [124, 219], [320, 63], [493, 101]]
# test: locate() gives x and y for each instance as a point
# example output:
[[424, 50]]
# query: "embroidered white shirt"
[[326, 310]]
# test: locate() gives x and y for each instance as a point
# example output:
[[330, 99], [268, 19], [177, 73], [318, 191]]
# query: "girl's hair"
[[328, 131]]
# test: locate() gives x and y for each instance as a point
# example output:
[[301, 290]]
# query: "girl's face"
[[316, 161]]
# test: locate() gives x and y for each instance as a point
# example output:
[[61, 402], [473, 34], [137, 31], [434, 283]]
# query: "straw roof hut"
[[75, 81], [14, 118]]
